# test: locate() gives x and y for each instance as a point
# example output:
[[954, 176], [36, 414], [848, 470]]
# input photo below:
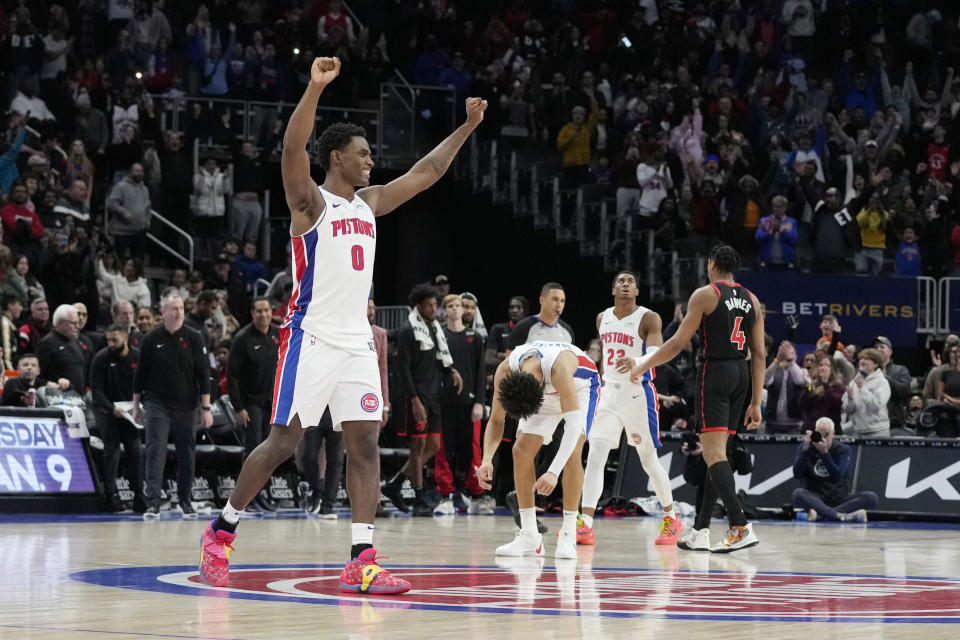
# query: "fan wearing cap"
[[899, 379]]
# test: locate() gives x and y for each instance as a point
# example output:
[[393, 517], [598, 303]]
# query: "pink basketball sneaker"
[[364, 575], [215, 548]]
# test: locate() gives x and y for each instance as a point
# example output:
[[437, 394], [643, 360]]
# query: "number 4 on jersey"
[[737, 337]]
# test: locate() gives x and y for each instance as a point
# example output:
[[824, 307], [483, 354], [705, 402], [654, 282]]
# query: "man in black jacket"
[[835, 232], [59, 352], [460, 409], [172, 375], [111, 380], [250, 371]]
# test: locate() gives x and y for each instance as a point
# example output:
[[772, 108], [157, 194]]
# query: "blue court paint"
[[148, 579]]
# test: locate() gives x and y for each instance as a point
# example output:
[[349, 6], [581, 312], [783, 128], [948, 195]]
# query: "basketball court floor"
[[120, 577]]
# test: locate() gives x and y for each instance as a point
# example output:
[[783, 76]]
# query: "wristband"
[[572, 430], [207, 408]]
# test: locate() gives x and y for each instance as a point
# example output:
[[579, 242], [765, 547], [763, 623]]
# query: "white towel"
[[422, 335]]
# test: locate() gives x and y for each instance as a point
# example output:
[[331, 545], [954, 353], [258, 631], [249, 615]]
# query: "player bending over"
[[540, 384]]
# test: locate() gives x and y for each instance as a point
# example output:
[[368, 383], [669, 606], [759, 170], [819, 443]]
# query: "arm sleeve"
[[571, 433]]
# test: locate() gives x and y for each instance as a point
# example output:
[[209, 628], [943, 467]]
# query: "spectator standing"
[[898, 376], [656, 181], [73, 207], [822, 464], [823, 396], [573, 142], [865, 402], [215, 66], [248, 269], [129, 285], [59, 352], [777, 236], [784, 381], [908, 255], [424, 358], [129, 204], [172, 375], [37, 325], [176, 178], [210, 186], [460, 408], [8, 158], [9, 334], [947, 360], [111, 380], [833, 234], [22, 229], [248, 189], [250, 371], [873, 232]]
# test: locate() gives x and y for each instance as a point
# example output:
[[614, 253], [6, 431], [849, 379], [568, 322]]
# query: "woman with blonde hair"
[[79, 167], [823, 397]]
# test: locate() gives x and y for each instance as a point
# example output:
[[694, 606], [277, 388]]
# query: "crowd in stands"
[[808, 134]]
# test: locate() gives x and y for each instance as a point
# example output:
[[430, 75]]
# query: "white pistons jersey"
[[549, 352], [621, 338], [333, 273]]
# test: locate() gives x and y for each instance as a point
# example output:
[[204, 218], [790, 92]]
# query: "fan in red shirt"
[[16, 212], [938, 155]]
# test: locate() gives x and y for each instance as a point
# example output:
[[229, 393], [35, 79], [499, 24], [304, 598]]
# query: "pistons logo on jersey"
[[370, 402]]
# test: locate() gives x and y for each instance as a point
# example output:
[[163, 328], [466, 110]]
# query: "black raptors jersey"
[[725, 333]]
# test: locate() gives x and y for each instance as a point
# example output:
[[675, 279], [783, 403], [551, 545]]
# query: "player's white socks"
[[528, 521], [231, 514], [569, 522], [361, 533], [672, 513], [587, 520]]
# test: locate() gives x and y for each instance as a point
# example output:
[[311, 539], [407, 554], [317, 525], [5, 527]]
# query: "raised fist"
[[324, 70], [475, 109]]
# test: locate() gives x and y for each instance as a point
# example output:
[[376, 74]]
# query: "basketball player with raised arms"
[[540, 384], [627, 332], [730, 322], [327, 354]]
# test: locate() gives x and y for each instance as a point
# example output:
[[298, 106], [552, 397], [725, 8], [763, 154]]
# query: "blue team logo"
[[370, 402]]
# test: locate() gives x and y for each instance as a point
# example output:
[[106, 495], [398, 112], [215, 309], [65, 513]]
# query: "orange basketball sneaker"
[[584, 533], [215, 548], [364, 575], [670, 529]]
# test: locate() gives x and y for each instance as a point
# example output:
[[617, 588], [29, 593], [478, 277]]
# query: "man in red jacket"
[[21, 226]]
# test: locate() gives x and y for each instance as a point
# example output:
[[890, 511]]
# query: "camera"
[[816, 436]]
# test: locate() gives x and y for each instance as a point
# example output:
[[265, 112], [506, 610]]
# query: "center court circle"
[[527, 587]]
